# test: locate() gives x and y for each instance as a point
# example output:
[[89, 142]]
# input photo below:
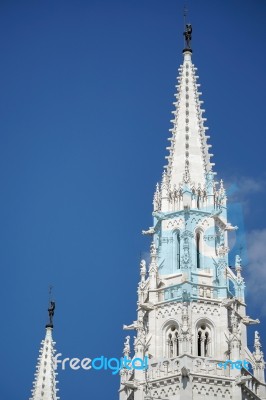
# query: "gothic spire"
[[44, 385], [259, 358], [189, 157]]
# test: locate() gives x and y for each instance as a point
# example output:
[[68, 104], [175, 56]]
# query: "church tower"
[[191, 311], [44, 385]]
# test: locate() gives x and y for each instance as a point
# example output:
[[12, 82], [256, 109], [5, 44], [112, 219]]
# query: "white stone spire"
[[189, 157], [44, 385], [191, 310]]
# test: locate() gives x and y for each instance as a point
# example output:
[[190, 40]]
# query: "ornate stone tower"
[[44, 385], [191, 311]]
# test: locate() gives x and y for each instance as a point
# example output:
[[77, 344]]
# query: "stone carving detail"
[[186, 255], [143, 270], [157, 199], [165, 312], [222, 250], [221, 267], [187, 233], [126, 350], [186, 258], [150, 231], [205, 311], [186, 177], [234, 322]]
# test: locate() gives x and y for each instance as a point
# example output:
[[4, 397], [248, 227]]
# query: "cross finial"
[[185, 15], [50, 292]]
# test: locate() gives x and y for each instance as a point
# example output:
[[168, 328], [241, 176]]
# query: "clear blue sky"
[[86, 92]]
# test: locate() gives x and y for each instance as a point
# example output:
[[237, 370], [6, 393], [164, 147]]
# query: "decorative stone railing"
[[249, 382], [126, 375], [196, 291], [199, 366], [163, 368], [172, 366]]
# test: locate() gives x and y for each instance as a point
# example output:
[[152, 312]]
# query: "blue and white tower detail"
[[191, 311]]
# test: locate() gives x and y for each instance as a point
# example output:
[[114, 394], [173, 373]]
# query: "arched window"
[[204, 341], [172, 342], [198, 248], [178, 249]]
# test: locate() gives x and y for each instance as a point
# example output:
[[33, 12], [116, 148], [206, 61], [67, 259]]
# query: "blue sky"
[[86, 92]]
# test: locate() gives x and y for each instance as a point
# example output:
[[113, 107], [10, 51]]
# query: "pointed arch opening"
[[172, 342], [204, 335], [171, 339]]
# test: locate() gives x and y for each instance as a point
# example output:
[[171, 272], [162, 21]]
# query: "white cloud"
[[256, 268], [242, 189], [245, 186]]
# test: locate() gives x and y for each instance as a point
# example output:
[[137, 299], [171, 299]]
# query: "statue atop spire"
[[188, 37], [51, 314]]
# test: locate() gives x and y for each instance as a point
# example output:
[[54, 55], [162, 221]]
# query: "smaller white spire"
[[164, 191], [153, 269], [126, 351], [257, 344], [157, 198], [259, 366], [238, 267], [143, 271], [44, 385]]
